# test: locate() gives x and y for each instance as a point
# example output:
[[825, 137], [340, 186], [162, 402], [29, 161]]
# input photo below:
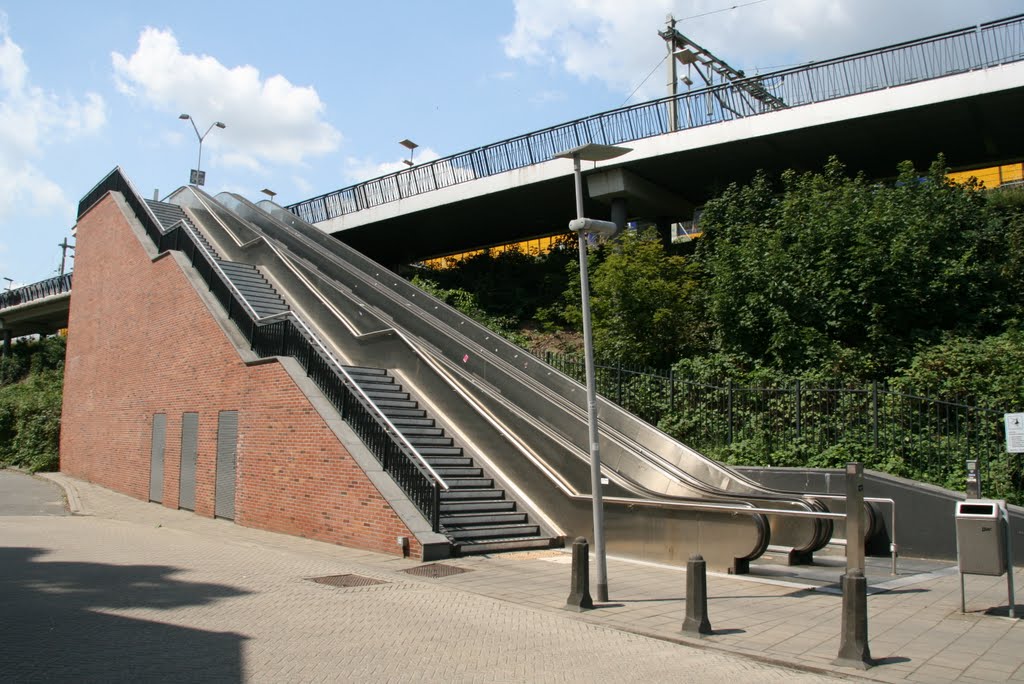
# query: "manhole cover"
[[347, 581], [436, 570]]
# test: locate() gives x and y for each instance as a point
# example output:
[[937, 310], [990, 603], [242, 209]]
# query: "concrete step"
[[392, 413], [455, 506], [428, 440], [404, 422], [450, 472], [471, 495], [460, 520], [491, 532], [440, 451], [396, 403], [411, 431], [469, 482], [448, 461], [469, 548], [389, 395]]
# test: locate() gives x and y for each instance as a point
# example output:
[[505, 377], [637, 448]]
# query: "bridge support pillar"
[[620, 213], [7, 342], [629, 194]]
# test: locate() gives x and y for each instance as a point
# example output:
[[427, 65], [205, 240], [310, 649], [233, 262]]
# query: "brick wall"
[[141, 341]]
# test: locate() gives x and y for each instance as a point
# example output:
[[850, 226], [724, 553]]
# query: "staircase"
[[246, 278], [475, 515]]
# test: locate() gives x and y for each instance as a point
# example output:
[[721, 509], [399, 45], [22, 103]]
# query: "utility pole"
[[64, 247], [753, 94]]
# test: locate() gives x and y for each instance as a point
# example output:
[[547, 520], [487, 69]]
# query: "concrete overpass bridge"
[[959, 93], [40, 308]]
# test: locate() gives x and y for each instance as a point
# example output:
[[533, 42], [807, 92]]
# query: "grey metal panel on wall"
[[189, 454], [227, 443], [156, 458]]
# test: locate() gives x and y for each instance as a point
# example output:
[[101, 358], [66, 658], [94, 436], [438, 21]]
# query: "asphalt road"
[[22, 494]]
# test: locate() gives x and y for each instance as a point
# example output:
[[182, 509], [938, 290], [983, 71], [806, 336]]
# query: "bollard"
[[853, 636], [697, 596], [853, 639], [579, 588]]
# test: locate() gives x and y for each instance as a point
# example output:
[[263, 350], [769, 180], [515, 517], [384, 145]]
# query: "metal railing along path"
[[955, 52], [30, 293], [285, 334]]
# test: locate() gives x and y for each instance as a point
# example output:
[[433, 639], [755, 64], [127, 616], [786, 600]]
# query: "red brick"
[[141, 342]]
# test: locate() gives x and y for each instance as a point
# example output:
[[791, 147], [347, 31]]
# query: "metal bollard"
[[853, 636], [579, 588], [697, 596]]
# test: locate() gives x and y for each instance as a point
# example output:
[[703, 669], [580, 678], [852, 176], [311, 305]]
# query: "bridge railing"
[[955, 52], [284, 335], [29, 293]]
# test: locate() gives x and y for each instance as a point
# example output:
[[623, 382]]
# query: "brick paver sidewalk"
[[502, 620]]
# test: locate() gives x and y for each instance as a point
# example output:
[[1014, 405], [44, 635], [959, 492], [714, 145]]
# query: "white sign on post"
[[1014, 432]]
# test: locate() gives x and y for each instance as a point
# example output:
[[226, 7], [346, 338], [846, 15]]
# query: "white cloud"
[[30, 120], [268, 119], [358, 170], [302, 185], [616, 42]]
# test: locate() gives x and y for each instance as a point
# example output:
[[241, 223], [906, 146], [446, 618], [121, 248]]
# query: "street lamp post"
[[411, 146], [197, 177], [581, 226]]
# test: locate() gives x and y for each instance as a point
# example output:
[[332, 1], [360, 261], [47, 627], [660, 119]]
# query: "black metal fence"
[[29, 293], [814, 425], [955, 52], [281, 335]]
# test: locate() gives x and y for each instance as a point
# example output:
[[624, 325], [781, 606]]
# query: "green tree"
[[31, 389], [643, 302], [832, 271]]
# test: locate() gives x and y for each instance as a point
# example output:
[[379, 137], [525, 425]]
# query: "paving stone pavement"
[[132, 590], [135, 592]]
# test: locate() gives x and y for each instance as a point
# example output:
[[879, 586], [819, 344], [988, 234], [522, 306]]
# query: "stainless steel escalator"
[[522, 418]]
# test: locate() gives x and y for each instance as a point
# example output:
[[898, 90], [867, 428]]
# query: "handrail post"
[[729, 387], [435, 508], [874, 413], [798, 408]]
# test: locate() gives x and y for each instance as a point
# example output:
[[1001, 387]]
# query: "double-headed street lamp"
[[581, 226], [197, 177]]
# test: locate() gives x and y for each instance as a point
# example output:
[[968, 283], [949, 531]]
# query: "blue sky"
[[316, 95]]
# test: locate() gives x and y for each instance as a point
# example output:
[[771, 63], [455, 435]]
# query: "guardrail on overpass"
[[946, 54], [29, 293]]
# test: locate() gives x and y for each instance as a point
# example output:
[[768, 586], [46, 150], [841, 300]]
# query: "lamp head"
[[220, 124], [184, 116], [585, 225]]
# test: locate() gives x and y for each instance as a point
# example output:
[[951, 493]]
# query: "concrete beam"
[[643, 198]]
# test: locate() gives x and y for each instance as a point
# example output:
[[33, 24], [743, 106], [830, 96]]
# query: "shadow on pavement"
[[55, 629]]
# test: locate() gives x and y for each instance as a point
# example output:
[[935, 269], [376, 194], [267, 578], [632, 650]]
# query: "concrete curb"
[[75, 506]]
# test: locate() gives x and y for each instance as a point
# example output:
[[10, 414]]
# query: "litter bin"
[[981, 537]]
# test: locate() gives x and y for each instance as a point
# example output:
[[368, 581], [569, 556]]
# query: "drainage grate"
[[436, 570], [347, 581]]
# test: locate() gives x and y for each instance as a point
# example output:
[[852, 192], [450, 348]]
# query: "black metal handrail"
[[29, 293], [281, 335], [946, 54]]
